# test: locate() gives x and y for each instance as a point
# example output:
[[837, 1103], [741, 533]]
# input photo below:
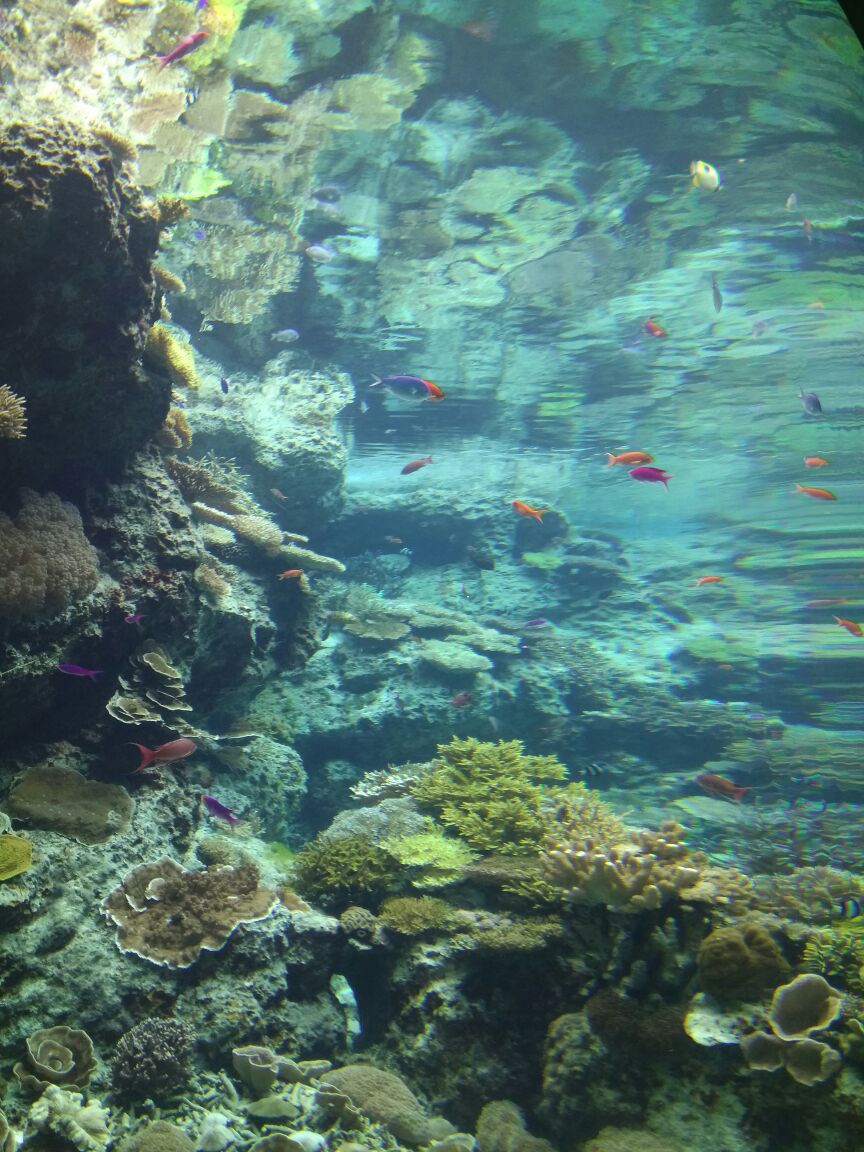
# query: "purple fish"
[[651, 475], [77, 670], [217, 809], [538, 623], [133, 618], [224, 385]]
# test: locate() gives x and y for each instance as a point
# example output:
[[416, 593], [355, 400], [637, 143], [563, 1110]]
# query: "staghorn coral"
[[16, 855], [13, 414], [383, 783], [166, 280], [63, 800], [173, 356], [168, 915], [46, 561], [121, 147], [152, 1059], [168, 211], [209, 481], [60, 1055], [642, 872], [490, 794], [343, 870]]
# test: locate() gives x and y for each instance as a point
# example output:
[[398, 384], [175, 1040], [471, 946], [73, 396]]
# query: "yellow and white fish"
[[705, 176]]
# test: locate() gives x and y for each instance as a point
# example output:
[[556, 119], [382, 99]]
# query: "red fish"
[[165, 753], [526, 510], [654, 329], [415, 465], [816, 493], [851, 627], [720, 787], [650, 475], [183, 48], [290, 574], [815, 462], [461, 699], [709, 580]]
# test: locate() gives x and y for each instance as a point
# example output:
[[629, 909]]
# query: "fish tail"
[[147, 756], [610, 458], [376, 381], [738, 793], [663, 480]]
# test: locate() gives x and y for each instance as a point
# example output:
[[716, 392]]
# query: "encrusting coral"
[[16, 855], [168, 915], [63, 800], [13, 414]]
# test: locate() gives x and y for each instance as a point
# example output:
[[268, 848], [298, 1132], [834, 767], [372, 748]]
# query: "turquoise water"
[[386, 765]]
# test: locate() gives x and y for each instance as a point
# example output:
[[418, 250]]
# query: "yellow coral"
[[168, 210], [13, 414], [166, 280], [169, 353], [175, 432], [16, 856]]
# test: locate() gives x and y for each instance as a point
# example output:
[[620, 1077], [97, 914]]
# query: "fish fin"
[[738, 793], [610, 458], [376, 381], [147, 756]]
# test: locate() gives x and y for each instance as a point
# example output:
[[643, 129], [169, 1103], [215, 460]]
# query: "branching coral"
[[344, 870], [490, 794], [256, 529], [434, 859], [175, 432], [169, 916], [205, 481], [13, 414]]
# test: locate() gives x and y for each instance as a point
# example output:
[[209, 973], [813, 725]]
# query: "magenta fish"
[[651, 475], [77, 670], [182, 48], [218, 809], [133, 618]]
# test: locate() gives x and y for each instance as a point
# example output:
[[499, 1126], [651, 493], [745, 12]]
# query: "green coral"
[[437, 859], [838, 955], [516, 934], [343, 870], [490, 794], [414, 915], [16, 856]]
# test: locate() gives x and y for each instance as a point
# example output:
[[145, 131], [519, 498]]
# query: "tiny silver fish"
[[286, 335], [716, 295]]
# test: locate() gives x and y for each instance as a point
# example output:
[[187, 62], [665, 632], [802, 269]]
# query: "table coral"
[[168, 915]]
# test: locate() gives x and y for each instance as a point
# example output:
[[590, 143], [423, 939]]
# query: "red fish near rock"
[[183, 48], [415, 465], [165, 753], [720, 787]]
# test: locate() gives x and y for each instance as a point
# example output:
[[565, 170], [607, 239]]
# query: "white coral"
[[65, 1114]]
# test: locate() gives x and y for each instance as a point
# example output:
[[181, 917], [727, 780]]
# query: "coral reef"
[[65, 1115], [65, 801], [16, 855], [739, 962], [13, 415], [60, 1055], [808, 1004], [152, 1059]]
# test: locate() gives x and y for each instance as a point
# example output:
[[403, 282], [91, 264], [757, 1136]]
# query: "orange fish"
[[290, 574], [851, 627], [814, 462], [526, 510], [816, 493], [720, 787], [628, 458], [709, 580], [653, 329], [825, 603], [415, 465]]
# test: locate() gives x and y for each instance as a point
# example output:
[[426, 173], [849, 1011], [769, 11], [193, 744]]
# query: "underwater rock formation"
[[79, 251]]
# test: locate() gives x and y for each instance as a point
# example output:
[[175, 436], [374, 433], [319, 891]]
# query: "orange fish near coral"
[[165, 753], [654, 329], [851, 627], [814, 462], [709, 580], [816, 493], [526, 510], [290, 574], [720, 787], [628, 458]]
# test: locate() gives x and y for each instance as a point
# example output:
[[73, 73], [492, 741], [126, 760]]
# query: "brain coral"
[[384, 1098], [46, 561]]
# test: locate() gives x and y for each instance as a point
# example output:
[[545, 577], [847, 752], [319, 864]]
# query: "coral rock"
[[60, 1055], [808, 1004]]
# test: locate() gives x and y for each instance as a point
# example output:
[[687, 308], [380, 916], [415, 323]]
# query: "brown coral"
[[738, 962], [175, 432], [383, 1098], [501, 1128], [172, 355], [168, 915], [807, 1004], [58, 1055], [13, 414], [64, 801]]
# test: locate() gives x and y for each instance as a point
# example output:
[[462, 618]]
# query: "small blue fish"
[[201, 4], [223, 384]]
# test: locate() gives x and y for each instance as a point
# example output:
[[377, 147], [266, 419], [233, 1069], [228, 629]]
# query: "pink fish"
[[77, 670], [165, 753], [133, 618], [218, 809], [182, 48], [651, 475]]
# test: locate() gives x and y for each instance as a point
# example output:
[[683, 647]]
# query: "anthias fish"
[[709, 580], [628, 458], [654, 329], [816, 493], [219, 810], [815, 462], [851, 627], [526, 510], [165, 753], [720, 787], [408, 387], [183, 48], [290, 574], [415, 465], [650, 475], [77, 670], [461, 699]]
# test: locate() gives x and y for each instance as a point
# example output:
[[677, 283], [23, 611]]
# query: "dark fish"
[[461, 699], [848, 908], [77, 670], [218, 809], [812, 405], [482, 559], [539, 622], [593, 769], [223, 384], [716, 295]]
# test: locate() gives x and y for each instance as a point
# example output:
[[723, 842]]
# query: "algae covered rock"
[[62, 800], [385, 1099], [78, 255]]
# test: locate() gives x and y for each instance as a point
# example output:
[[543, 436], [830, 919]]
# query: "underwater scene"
[[431, 576]]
